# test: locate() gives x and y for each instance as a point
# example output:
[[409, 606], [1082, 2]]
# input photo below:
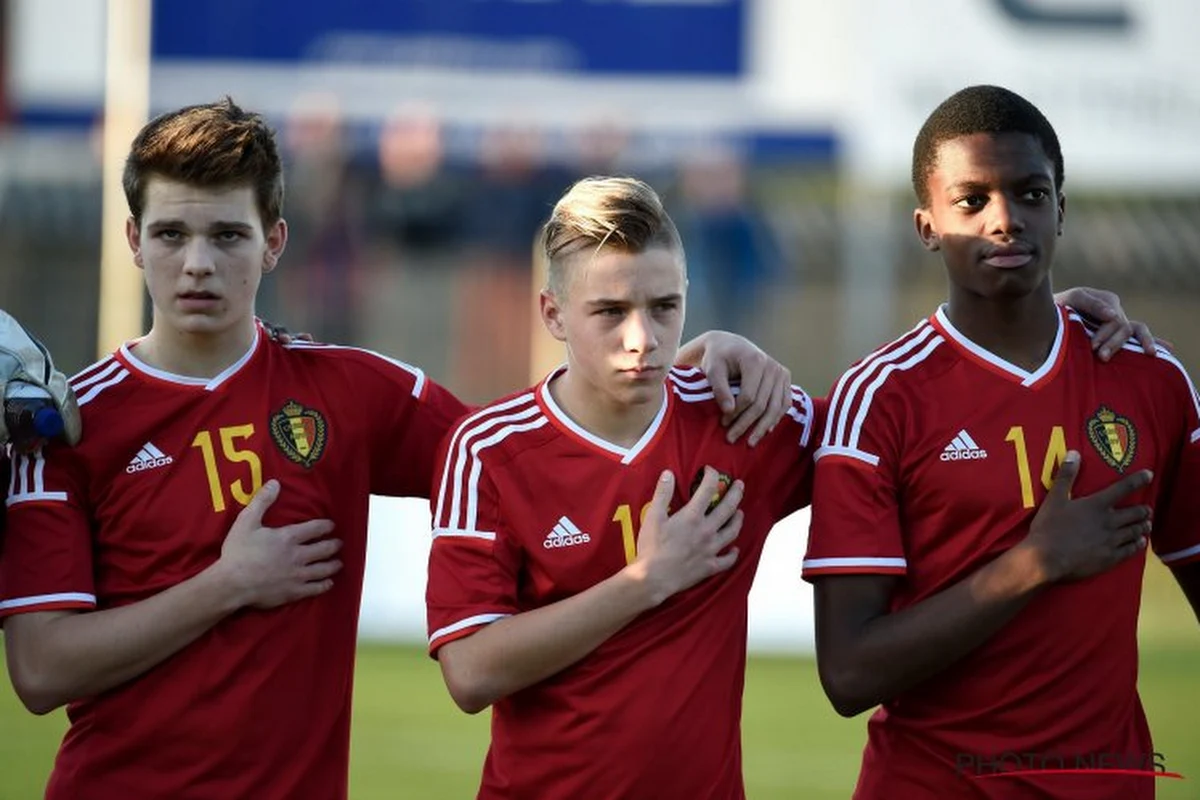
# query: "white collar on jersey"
[[186, 380], [1027, 378], [627, 454]]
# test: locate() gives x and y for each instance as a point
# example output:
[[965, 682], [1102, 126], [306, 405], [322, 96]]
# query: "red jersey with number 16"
[[533, 509], [935, 458]]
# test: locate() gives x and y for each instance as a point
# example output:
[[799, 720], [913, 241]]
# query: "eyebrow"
[[605, 301], [971, 185], [218, 225]]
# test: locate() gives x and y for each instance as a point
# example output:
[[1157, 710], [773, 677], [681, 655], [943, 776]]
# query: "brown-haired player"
[[206, 653]]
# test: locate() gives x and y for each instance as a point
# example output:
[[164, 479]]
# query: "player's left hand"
[[765, 385], [1116, 329]]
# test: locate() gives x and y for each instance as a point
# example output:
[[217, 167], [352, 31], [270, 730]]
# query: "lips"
[[1012, 256]]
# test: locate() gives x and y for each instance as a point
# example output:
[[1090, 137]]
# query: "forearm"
[[62, 657], [519, 651], [895, 652]]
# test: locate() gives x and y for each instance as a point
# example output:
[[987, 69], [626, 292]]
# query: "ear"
[[277, 237], [926, 231], [1062, 211], [552, 315], [133, 235]]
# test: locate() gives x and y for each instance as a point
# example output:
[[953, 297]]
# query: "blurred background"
[[426, 140]]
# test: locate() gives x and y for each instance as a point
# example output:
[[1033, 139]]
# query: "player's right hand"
[[677, 551], [1080, 537], [269, 567]]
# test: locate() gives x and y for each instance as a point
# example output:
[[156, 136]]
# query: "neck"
[[1020, 331], [602, 415], [195, 355]]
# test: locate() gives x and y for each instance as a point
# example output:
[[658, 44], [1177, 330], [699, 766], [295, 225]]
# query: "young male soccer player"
[[609, 633], [989, 632], [124, 594], [560, 591]]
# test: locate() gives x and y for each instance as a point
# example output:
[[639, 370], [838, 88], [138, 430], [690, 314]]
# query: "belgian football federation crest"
[[724, 481], [1114, 438], [299, 432]]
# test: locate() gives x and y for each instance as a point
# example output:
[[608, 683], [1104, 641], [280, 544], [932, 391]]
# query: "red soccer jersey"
[[533, 509], [935, 457], [259, 706]]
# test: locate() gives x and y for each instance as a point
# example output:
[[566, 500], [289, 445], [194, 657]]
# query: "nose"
[[199, 258], [639, 334], [1005, 216]]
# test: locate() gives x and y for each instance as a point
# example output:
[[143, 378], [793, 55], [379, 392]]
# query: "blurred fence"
[[408, 246]]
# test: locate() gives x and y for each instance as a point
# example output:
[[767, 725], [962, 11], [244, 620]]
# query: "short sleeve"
[[414, 414], [46, 549], [855, 524], [787, 459], [473, 567], [1176, 534]]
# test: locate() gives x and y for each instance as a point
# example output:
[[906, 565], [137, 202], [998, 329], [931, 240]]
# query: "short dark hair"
[[211, 145], [980, 109]]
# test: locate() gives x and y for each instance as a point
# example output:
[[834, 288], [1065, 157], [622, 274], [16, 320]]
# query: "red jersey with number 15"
[[935, 458], [259, 706], [533, 509]]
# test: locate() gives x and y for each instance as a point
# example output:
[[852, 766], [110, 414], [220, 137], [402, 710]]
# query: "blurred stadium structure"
[[426, 140]]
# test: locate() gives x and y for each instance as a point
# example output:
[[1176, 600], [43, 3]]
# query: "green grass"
[[410, 741]]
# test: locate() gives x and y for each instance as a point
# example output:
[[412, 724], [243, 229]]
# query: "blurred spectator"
[[418, 206], [324, 215], [733, 256], [511, 197]]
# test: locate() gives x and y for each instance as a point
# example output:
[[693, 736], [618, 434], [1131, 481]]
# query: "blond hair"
[[623, 214]]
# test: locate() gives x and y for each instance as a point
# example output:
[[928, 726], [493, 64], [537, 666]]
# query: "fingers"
[[1110, 336], [252, 514], [1141, 332], [664, 490], [1130, 517], [1113, 493], [308, 530], [709, 499], [749, 389], [724, 561], [310, 589], [320, 571], [319, 551], [1064, 480], [700, 500], [780, 402], [729, 531], [718, 378], [1129, 549]]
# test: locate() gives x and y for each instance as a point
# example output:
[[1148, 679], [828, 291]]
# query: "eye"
[[971, 201], [611, 312], [169, 235], [1037, 194], [666, 307], [230, 236]]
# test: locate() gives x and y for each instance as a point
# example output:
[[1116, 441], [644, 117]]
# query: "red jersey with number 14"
[[533, 509], [259, 706], [935, 457]]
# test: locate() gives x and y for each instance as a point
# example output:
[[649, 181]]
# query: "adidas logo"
[[149, 457], [963, 448], [565, 534]]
